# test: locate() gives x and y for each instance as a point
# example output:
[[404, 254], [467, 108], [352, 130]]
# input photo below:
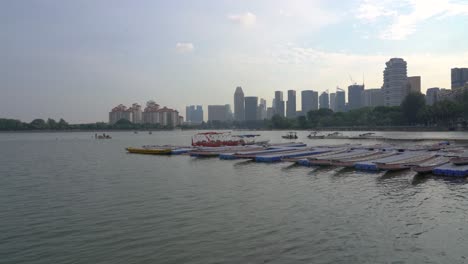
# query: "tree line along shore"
[[412, 115]]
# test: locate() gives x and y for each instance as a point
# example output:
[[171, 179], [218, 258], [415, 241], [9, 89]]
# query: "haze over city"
[[77, 60]]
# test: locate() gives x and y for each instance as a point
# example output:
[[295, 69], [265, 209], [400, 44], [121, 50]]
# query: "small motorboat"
[[369, 135], [103, 136], [150, 132], [336, 135], [290, 135], [431, 164], [315, 135]]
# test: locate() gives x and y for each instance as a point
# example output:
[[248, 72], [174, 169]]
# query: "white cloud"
[[245, 19], [406, 16], [184, 47]]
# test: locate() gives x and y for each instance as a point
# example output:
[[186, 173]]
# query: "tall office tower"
[[459, 77], [198, 116], [324, 100], [251, 107], [291, 105], [188, 113], [309, 101], [355, 96], [432, 95], [414, 84], [395, 82], [279, 103], [372, 97], [270, 112], [262, 110], [340, 100], [219, 113], [239, 107], [333, 101]]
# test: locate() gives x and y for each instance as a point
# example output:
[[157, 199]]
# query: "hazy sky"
[[77, 59]]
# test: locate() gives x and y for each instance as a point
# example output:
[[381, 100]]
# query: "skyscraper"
[[459, 77], [372, 97], [340, 100], [262, 109], [219, 113], [355, 96], [432, 95], [194, 114], [395, 82], [279, 103], [251, 107], [309, 101], [333, 101], [239, 107], [291, 105], [414, 84], [324, 101]]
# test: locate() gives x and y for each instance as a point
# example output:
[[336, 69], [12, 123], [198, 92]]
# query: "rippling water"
[[67, 198]]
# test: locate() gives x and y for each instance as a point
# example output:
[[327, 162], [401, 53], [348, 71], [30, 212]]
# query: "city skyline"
[[76, 60]]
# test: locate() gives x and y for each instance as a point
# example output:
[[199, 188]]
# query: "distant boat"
[[290, 135], [336, 135], [150, 132], [135, 132], [315, 135]]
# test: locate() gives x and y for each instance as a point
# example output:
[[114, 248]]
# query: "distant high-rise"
[[459, 77], [239, 107], [194, 114], [333, 101], [137, 113], [355, 96], [270, 112], [120, 112], [251, 107], [219, 113], [414, 84], [340, 100], [395, 82], [372, 98], [291, 104], [279, 103], [309, 101], [432, 95], [324, 101], [262, 110]]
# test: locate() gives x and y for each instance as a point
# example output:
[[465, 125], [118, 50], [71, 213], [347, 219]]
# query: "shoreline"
[[357, 129]]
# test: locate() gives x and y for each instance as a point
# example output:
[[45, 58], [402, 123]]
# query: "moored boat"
[[404, 163], [429, 165], [350, 162], [150, 151]]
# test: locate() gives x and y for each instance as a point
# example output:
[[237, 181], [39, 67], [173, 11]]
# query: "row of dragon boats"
[[439, 158]]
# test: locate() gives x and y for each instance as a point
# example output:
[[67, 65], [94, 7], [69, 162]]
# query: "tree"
[[51, 124], [302, 122], [38, 124], [411, 106], [62, 124]]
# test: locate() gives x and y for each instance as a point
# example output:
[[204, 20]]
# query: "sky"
[[78, 59]]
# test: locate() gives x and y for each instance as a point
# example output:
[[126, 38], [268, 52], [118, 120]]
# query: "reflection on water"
[[67, 198]]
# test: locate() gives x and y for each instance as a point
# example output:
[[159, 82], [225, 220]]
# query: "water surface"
[[68, 198]]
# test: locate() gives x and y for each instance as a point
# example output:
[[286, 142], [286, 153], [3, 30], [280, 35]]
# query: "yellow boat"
[[151, 151]]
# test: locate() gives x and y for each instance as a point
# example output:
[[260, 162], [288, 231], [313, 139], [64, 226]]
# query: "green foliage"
[[412, 106]]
